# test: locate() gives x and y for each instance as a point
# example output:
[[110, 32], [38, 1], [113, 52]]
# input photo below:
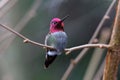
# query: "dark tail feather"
[[49, 60]]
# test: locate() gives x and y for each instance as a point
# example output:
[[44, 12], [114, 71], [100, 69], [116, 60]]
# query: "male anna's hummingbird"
[[56, 38]]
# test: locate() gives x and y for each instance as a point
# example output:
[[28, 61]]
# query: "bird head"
[[57, 24]]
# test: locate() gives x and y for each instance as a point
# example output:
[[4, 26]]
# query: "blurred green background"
[[19, 61]]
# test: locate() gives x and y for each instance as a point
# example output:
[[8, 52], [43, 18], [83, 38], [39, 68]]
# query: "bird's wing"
[[50, 40]]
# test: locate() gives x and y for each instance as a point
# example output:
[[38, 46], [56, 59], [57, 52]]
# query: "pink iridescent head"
[[57, 25]]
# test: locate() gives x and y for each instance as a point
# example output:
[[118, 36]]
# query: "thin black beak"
[[64, 18]]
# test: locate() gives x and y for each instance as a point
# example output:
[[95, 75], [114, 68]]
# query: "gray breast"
[[60, 40]]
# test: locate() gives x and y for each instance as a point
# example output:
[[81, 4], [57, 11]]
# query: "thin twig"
[[97, 56], [83, 52], [69, 50], [20, 25], [26, 40], [26, 18]]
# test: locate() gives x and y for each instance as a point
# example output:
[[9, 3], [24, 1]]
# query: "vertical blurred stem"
[[21, 24], [98, 75], [9, 70], [9, 5], [3, 3], [113, 54], [97, 55]]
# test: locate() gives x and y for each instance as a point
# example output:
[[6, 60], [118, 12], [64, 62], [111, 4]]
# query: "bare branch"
[[21, 24], [83, 52], [113, 55], [26, 40], [69, 50], [97, 56], [25, 19]]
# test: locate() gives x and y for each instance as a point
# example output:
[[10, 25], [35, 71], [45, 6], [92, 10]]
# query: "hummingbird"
[[56, 38]]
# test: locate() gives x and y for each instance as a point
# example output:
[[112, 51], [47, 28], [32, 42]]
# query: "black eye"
[[54, 22]]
